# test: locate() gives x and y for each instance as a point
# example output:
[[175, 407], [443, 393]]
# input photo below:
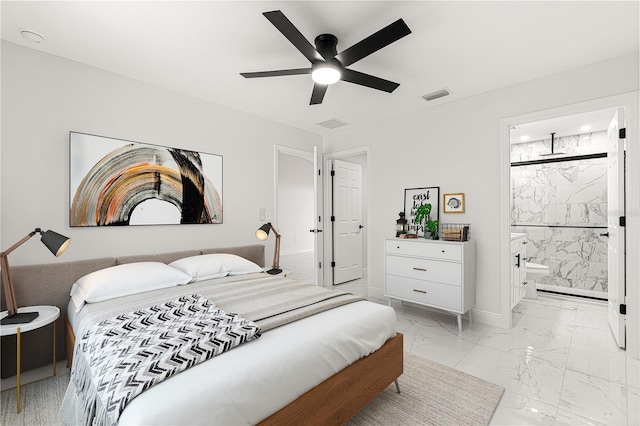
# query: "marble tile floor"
[[559, 363]]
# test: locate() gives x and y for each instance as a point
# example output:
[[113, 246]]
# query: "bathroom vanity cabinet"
[[518, 270], [439, 274]]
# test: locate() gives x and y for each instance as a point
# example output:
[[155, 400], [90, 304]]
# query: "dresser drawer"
[[416, 248], [424, 269], [424, 292]]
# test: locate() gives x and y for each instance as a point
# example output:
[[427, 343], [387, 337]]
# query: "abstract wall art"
[[114, 182]]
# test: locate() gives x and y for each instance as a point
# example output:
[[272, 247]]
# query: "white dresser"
[[439, 274]]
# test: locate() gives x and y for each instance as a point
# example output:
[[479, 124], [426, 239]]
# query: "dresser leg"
[[469, 313], [459, 322], [397, 385]]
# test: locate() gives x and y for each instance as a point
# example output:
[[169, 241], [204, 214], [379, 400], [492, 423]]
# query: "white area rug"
[[432, 394]]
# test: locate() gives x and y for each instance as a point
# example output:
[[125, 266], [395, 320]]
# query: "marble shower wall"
[[558, 205]]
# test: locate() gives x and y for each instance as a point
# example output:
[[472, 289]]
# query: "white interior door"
[[347, 221], [615, 209]]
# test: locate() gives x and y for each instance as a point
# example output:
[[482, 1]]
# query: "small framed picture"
[[453, 203]]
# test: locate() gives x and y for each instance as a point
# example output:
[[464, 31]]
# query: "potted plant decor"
[[422, 215], [432, 226]]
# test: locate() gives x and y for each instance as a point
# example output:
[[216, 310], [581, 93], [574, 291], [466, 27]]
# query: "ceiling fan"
[[327, 65]]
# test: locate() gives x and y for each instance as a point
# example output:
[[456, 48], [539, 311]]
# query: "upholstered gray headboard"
[[50, 284]]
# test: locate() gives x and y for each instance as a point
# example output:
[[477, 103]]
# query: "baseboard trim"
[[377, 293], [489, 318]]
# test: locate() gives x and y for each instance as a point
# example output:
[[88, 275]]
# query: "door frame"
[[630, 102], [328, 237], [307, 155]]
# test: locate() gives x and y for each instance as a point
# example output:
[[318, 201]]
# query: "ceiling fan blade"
[[368, 80], [277, 73], [292, 34], [318, 93], [374, 42]]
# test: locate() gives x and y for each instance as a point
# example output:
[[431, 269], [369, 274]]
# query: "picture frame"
[[414, 198], [117, 182], [453, 203]]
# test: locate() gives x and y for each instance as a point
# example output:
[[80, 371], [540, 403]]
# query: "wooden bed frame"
[[337, 399]]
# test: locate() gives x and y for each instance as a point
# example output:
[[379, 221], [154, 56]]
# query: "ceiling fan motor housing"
[[326, 45]]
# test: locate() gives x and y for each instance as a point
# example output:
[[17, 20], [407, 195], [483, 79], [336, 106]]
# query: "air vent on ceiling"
[[436, 95], [332, 123]]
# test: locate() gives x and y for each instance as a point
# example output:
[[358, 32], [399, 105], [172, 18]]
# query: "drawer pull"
[[420, 291], [419, 269]]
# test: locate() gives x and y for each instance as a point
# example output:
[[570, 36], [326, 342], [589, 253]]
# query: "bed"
[[319, 369]]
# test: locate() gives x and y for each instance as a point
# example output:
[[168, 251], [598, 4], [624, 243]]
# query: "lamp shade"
[[263, 232], [55, 242]]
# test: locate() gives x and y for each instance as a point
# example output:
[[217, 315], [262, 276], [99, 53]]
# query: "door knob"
[[606, 234], [360, 226], [315, 230]]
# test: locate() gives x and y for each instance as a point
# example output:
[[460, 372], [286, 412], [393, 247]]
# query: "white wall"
[[456, 146], [44, 97], [295, 203]]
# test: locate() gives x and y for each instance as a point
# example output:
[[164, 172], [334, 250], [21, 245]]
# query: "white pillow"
[[201, 267], [237, 265], [123, 280], [215, 265]]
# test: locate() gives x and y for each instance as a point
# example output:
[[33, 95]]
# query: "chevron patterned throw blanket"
[[121, 357]]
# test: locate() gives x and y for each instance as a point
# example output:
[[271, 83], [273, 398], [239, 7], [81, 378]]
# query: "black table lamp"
[[263, 233], [56, 243]]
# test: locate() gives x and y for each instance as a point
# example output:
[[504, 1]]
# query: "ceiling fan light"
[[325, 75]]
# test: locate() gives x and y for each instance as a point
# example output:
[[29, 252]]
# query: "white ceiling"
[[199, 48], [596, 121]]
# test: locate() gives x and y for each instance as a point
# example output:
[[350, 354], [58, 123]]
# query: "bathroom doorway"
[[559, 188], [628, 105]]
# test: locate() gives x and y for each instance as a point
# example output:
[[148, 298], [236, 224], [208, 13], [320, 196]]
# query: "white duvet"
[[256, 379]]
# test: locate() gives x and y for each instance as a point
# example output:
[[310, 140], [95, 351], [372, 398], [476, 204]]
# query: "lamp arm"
[[7, 283], [276, 253], [21, 242], [274, 231]]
